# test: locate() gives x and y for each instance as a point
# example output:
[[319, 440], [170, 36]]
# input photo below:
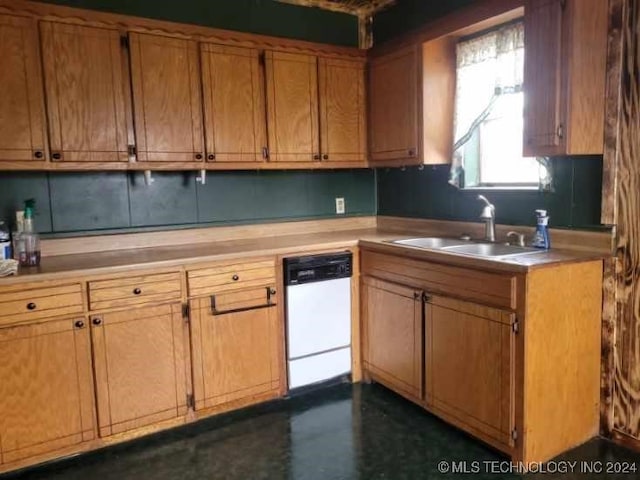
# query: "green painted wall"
[[266, 17], [76, 203], [425, 193], [409, 14]]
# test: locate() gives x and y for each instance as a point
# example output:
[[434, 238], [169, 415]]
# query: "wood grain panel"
[[483, 287], [392, 320], [139, 367], [134, 290], [234, 104], [543, 70], [235, 355], [292, 107], [394, 98], [35, 303], [166, 82], [342, 110], [86, 89], [22, 119], [46, 398], [627, 328], [562, 335], [468, 347]]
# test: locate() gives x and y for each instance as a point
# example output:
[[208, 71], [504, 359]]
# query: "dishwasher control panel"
[[316, 268]]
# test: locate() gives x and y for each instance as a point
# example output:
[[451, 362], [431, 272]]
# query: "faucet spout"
[[488, 216]]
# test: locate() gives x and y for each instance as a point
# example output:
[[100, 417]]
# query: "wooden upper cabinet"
[[392, 347], [395, 107], [22, 119], [292, 107], [46, 388], [469, 356], [139, 362], [342, 110], [234, 104], [564, 76], [167, 100], [87, 90]]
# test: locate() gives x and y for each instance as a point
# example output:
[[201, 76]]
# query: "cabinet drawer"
[[496, 289], [223, 278], [32, 304], [134, 290]]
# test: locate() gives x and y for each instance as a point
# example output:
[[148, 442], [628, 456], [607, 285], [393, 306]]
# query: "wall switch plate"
[[340, 205]]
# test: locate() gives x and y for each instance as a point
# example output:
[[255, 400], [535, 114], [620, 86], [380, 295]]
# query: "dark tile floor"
[[342, 432]]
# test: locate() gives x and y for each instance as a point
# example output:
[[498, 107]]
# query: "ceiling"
[[360, 8]]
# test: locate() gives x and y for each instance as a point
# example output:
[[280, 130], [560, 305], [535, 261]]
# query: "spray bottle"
[[541, 237]]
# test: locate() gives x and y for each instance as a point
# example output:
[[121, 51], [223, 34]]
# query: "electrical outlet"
[[340, 205]]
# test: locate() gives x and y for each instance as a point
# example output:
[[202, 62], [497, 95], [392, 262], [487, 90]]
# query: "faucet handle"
[[519, 236]]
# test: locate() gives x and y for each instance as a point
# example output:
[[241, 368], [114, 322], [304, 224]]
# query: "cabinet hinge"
[[560, 131], [186, 311], [124, 41], [265, 153], [132, 150], [514, 434], [515, 326], [191, 401], [261, 58]]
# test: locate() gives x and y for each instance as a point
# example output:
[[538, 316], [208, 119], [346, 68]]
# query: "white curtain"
[[489, 67]]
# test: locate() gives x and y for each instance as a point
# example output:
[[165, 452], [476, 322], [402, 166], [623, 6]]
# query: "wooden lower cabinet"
[[469, 357], [236, 350], [140, 367], [46, 388], [392, 335]]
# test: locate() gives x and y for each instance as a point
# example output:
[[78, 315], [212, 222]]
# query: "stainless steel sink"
[[491, 250], [435, 243]]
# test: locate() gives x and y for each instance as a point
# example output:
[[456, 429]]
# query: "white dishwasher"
[[318, 298]]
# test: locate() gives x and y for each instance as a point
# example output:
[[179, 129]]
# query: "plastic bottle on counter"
[[5, 242], [541, 237], [30, 253]]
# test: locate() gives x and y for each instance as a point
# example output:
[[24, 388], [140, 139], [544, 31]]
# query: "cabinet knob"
[[316, 156], [79, 324], [38, 154], [56, 156], [137, 291], [235, 278], [211, 156], [97, 321], [31, 306], [325, 157], [198, 156]]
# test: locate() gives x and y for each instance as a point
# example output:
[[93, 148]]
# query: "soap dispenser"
[[541, 237]]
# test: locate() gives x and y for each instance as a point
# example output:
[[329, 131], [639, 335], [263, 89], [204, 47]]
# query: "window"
[[489, 111]]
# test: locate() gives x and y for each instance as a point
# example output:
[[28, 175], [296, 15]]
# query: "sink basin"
[[491, 250], [431, 242]]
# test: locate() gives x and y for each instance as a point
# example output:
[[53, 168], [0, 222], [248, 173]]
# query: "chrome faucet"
[[488, 216]]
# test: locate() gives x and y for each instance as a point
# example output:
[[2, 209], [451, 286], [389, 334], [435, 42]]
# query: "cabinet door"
[[342, 110], [46, 388], [395, 104], [167, 100], [543, 116], [234, 108], [139, 360], [235, 354], [292, 107], [392, 349], [469, 353], [85, 85], [22, 121]]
